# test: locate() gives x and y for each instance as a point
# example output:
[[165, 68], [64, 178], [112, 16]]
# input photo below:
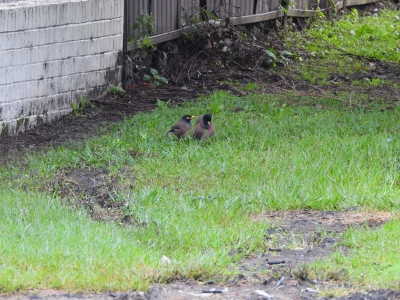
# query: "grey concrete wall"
[[54, 53]]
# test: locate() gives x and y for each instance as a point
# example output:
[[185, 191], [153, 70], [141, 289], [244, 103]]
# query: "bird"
[[182, 127], [199, 119], [204, 128]]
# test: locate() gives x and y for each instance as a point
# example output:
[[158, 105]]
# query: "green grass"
[[44, 245], [374, 82], [374, 37], [195, 202], [192, 201], [346, 46], [373, 259]]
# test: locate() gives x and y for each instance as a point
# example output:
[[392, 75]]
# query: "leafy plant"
[[155, 78], [273, 58], [78, 107], [145, 28], [193, 23], [116, 90]]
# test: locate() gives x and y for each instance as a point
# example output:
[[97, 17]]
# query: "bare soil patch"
[[94, 189], [308, 220]]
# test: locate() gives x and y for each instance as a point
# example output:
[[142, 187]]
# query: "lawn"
[[195, 202]]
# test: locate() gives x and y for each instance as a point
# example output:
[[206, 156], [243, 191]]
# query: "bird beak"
[[208, 123]]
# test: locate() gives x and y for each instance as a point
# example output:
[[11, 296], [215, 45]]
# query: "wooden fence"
[[171, 16]]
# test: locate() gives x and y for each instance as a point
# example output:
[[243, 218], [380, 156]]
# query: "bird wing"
[[199, 119], [180, 129], [175, 127], [199, 131]]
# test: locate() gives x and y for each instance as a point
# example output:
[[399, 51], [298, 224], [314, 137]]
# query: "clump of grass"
[[116, 90], [351, 44], [372, 37], [373, 259], [44, 245]]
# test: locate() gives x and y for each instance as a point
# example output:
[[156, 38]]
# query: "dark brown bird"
[[199, 119], [204, 128], [182, 127]]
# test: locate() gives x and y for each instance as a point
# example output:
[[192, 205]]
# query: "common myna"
[[204, 127], [199, 119], [182, 127]]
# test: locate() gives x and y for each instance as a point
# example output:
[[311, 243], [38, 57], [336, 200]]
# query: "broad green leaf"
[[270, 54]]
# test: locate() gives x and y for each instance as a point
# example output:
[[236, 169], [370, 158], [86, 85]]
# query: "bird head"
[[187, 118], [207, 119]]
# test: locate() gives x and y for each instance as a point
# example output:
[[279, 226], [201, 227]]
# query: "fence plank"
[[188, 12], [240, 8], [165, 14], [359, 2], [267, 6], [257, 18], [134, 8], [304, 5], [217, 7]]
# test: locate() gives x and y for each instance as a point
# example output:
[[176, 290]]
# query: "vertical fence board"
[[266, 6], [324, 4], [174, 6], [217, 7], [240, 8], [134, 9], [305, 4], [165, 14], [188, 12]]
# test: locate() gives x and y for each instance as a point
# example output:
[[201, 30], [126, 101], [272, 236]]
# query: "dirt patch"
[[94, 189], [190, 291], [308, 220]]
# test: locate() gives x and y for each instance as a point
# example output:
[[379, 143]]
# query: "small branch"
[[356, 55], [236, 89]]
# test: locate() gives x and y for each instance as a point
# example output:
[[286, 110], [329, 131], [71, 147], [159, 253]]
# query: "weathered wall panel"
[[52, 54]]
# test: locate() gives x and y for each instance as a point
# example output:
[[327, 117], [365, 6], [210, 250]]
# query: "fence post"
[[126, 29]]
